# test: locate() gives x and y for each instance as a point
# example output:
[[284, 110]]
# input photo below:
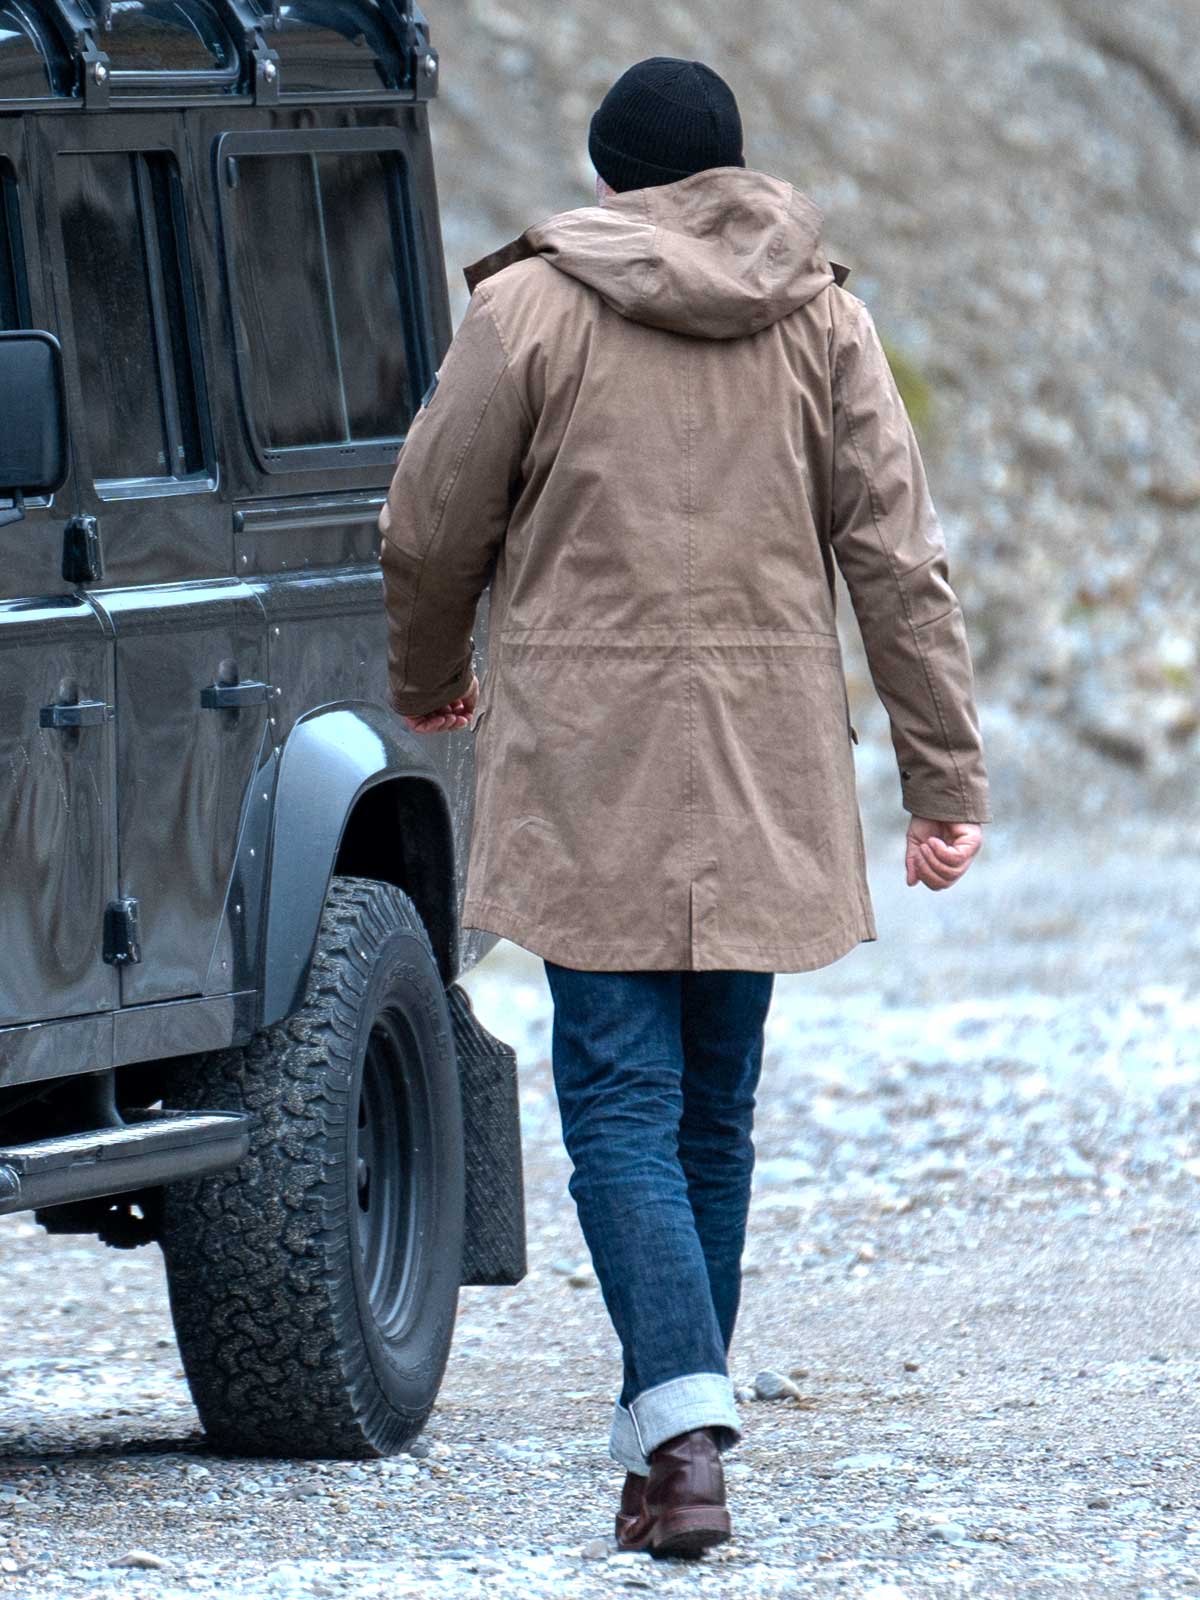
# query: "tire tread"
[[256, 1280]]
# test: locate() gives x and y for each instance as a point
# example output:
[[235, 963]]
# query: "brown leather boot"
[[683, 1506], [632, 1492]]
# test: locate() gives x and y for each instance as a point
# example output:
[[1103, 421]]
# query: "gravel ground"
[[974, 1249]]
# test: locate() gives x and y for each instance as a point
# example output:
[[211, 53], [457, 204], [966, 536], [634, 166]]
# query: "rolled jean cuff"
[[697, 1400]]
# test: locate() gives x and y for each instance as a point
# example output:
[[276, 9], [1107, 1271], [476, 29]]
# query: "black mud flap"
[[494, 1244]]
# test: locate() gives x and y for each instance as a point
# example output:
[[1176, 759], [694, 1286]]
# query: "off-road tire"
[[285, 1352]]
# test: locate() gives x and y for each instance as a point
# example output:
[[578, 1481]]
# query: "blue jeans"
[[655, 1074]]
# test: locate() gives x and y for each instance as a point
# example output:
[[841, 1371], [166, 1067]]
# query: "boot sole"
[[687, 1533]]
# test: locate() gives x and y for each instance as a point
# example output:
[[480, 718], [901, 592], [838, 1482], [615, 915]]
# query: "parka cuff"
[[944, 808], [416, 702]]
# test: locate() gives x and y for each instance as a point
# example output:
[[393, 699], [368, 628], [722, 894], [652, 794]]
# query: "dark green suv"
[[230, 876]]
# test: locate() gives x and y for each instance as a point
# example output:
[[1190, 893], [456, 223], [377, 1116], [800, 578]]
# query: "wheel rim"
[[387, 1149]]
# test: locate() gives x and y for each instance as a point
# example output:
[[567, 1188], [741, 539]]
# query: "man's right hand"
[[938, 853], [455, 714]]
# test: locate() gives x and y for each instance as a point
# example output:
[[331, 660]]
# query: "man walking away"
[[662, 421]]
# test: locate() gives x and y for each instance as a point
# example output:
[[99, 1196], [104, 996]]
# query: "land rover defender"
[[230, 875]]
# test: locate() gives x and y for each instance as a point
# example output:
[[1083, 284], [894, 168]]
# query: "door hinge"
[[122, 933]]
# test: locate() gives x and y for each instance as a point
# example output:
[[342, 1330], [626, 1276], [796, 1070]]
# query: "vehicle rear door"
[[191, 697], [57, 856]]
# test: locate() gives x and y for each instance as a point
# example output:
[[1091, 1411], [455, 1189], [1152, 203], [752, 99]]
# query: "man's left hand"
[[938, 853], [443, 719]]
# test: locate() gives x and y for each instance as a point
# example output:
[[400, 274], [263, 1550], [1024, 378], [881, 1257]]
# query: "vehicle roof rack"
[[137, 52]]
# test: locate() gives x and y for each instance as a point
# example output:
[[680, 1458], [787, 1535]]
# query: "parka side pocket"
[[850, 728], [486, 695]]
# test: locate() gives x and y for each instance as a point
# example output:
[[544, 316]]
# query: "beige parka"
[[660, 423]]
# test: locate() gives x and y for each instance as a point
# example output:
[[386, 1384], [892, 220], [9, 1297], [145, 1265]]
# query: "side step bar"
[[160, 1148]]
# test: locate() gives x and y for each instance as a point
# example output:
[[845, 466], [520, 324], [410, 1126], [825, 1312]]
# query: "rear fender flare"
[[331, 759]]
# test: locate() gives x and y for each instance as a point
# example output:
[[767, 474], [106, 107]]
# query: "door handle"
[[233, 696], [75, 714]]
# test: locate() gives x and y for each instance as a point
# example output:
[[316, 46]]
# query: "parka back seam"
[[691, 671]]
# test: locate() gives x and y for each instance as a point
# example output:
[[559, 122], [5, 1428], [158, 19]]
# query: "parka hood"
[[720, 254]]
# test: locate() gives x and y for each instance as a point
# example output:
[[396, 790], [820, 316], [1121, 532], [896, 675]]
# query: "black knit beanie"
[[662, 120]]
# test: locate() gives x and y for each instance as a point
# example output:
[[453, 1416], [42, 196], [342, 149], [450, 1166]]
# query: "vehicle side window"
[[14, 295], [14, 286], [328, 345], [129, 275]]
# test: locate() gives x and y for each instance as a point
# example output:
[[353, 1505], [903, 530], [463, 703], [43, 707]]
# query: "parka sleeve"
[[891, 550], [447, 512]]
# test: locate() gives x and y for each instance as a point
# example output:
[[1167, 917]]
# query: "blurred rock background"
[[1015, 185]]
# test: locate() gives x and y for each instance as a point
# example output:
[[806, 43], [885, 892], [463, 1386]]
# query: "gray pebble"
[[948, 1532], [145, 1560], [771, 1385], [780, 1171]]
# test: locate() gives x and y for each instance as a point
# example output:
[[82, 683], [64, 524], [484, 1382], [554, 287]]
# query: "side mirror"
[[33, 418]]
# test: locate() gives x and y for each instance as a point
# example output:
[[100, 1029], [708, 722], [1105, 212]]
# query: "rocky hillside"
[[1015, 185]]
